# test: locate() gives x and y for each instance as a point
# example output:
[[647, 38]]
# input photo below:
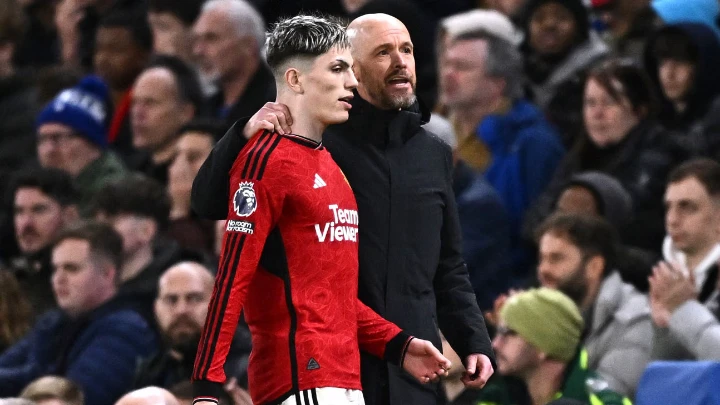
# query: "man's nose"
[[399, 59]]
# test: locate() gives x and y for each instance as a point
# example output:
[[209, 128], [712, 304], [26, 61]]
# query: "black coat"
[[411, 269]]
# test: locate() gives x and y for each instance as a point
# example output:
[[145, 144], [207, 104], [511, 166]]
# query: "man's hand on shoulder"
[[478, 370], [272, 117]]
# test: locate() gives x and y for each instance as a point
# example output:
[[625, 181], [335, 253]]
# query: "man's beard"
[[575, 287], [185, 343], [399, 101], [394, 102]]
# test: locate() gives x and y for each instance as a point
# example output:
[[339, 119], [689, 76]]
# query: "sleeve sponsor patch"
[[240, 226]]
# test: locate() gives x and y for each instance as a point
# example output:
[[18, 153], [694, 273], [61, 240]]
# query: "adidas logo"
[[319, 182], [313, 364]]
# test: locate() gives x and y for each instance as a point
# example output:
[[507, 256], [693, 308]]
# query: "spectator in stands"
[[559, 49], [181, 307], [122, 49], [166, 96], [486, 237], [44, 201], [514, 9], [601, 195], [685, 328], [138, 209], [627, 25], [15, 310], [683, 293], [498, 131], [577, 256], [148, 396], [196, 140], [539, 340], [624, 140], [229, 39], [91, 339], [72, 136], [18, 104], [53, 390], [78, 22], [682, 60], [172, 27]]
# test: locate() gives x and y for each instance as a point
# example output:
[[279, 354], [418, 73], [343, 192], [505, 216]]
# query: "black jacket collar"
[[386, 127]]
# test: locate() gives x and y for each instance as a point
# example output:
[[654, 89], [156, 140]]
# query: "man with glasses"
[[538, 340], [72, 137]]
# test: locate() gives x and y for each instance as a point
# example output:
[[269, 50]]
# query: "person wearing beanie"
[[539, 342], [72, 136], [559, 48]]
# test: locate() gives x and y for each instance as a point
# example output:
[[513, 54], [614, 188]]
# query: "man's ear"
[[498, 86], [187, 112], [70, 214], [594, 268], [293, 80], [147, 230]]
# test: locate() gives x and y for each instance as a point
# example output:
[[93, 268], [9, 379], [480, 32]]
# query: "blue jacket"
[[485, 233], [99, 352], [526, 151]]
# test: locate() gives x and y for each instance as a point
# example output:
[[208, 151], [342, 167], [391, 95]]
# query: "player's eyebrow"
[[343, 62]]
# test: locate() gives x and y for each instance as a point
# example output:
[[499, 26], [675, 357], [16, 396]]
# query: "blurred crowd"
[[586, 137]]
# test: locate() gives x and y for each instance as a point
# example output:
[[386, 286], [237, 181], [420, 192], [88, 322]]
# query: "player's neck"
[[303, 122]]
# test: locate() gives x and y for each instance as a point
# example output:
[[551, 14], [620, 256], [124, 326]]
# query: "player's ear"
[[292, 79]]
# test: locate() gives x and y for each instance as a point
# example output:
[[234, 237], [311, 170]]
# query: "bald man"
[[148, 396], [411, 269], [181, 307]]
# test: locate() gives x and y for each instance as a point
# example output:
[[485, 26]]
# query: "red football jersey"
[[290, 261]]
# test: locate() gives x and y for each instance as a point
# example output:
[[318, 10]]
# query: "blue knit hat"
[[84, 108]]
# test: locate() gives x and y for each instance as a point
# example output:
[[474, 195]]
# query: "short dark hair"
[[636, 85], [592, 235], [187, 13], [134, 22], [304, 35], [186, 79], [673, 43], [13, 23], [210, 126], [54, 183], [136, 195], [104, 241], [706, 171]]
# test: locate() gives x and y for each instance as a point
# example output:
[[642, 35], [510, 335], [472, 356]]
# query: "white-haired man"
[[229, 39]]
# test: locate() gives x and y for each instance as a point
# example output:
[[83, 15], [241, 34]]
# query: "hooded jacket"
[[706, 83], [547, 73]]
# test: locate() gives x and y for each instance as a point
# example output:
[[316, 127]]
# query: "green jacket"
[[108, 167], [580, 384]]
